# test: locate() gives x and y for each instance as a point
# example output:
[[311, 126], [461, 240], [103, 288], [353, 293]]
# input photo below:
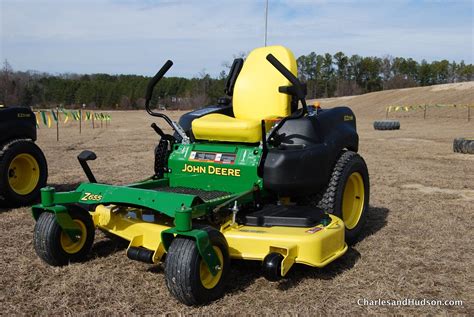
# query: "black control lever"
[[157, 129], [83, 158], [155, 80], [298, 87], [290, 90], [149, 92]]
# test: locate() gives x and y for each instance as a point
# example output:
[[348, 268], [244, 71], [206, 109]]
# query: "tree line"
[[341, 75], [326, 76], [104, 91]]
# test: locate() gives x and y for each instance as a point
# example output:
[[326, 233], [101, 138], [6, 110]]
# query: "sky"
[[138, 36]]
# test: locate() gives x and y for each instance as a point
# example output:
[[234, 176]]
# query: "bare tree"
[[7, 84]]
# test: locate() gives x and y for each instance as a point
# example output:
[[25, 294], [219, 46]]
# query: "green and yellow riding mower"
[[23, 167], [256, 177]]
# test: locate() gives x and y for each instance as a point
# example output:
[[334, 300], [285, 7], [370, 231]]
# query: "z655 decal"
[[90, 196]]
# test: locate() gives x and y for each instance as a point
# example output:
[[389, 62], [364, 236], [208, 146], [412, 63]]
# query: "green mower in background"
[[256, 177], [23, 167]]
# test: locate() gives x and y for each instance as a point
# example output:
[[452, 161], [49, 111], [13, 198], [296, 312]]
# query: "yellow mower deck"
[[316, 246]]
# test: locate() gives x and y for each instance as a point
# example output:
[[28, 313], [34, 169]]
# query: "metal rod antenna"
[[266, 22]]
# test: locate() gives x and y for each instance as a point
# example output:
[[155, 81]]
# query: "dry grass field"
[[418, 242]]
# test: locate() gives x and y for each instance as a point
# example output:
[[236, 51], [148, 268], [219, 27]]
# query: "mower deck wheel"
[[54, 246], [271, 266], [187, 276]]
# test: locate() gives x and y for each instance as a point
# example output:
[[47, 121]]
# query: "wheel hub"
[[73, 246], [23, 174], [353, 200], [208, 280]]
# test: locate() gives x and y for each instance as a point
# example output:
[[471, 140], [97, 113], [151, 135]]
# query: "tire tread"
[[462, 145], [387, 125], [181, 261], [47, 234]]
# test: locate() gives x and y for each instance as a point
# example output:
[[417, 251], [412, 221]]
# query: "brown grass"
[[418, 242]]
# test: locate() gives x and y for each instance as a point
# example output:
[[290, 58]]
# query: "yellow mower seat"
[[219, 127], [255, 98]]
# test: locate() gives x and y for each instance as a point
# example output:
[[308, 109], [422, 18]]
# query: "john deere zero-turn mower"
[[254, 178], [23, 168]]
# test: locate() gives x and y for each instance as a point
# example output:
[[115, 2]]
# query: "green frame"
[[182, 207], [178, 206]]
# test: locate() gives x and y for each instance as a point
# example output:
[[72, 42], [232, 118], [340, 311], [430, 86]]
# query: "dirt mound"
[[372, 105]]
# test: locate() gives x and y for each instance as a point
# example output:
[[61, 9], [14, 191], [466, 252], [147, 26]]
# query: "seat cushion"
[[218, 127]]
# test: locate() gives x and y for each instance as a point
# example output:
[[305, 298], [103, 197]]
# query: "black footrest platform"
[[286, 216], [203, 194]]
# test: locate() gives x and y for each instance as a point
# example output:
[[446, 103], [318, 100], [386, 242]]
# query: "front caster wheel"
[[187, 276], [55, 247], [272, 266]]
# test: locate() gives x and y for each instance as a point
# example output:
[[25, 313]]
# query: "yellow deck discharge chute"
[[255, 98]]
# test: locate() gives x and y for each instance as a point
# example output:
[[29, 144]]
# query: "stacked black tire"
[[462, 145], [387, 125]]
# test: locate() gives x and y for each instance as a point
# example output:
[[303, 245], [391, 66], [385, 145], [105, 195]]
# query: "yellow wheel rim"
[[207, 279], [23, 174], [353, 200], [70, 246]]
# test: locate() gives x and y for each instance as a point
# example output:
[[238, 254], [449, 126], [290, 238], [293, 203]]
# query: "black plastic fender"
[[17, 123], [308, 148]]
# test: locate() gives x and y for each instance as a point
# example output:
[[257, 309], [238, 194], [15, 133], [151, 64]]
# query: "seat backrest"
[[256, 93]]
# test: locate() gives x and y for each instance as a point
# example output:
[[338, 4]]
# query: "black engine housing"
[[17, 123]]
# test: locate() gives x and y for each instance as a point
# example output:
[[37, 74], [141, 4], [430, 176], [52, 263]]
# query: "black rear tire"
[[183, 270], [387, 125], [22, 186], [54, 247], [349, 168]]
